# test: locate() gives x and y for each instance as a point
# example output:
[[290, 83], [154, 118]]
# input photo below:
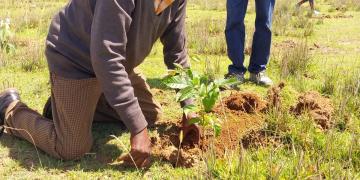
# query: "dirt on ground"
[[246, 102], [287, 44], [260, 138], [166, 147], [240, 114], [318, 107]]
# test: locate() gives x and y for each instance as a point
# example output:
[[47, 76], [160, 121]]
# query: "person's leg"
[[262, 36], [301, 2], [235, 34], [312, 5], [68, 135], [149, 106]]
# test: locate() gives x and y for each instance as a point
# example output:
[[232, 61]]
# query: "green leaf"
[[196, 80], [195, 120], [189, 73], [202, 90], [210, 99], [217, 129], [189, 108], [185, 93], [175, 82]]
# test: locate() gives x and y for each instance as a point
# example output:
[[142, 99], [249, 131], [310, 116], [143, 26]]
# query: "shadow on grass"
[[97, 160]]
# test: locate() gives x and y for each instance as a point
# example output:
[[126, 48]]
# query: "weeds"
[[296, 61], [344, 5], [206, 37], [282, 17], [5, 36]]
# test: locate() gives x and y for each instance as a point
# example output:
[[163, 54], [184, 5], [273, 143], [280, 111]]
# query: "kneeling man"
[[92, 49]]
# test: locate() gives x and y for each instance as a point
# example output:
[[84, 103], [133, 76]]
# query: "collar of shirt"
[[161, 5]]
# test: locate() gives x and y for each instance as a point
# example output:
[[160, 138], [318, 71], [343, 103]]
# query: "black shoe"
[[6, 98], [47, 112]]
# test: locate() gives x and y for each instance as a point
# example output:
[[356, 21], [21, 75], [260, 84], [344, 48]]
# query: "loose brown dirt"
[[318, 107], [260, 138], [245, 102], [166, 147], [240, 113]]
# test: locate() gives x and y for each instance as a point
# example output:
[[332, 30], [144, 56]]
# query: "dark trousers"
[[235, 35]]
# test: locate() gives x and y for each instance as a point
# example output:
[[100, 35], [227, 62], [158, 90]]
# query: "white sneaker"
[[261, 78]]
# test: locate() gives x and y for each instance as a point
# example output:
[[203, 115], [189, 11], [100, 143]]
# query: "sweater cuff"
[[132, 116]]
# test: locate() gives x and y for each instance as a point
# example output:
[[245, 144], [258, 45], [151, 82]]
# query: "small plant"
[[5, 35], [191, 85]]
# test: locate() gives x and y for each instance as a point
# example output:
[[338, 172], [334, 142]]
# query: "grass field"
[[309, 54]]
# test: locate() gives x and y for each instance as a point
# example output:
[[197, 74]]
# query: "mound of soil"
[[273, 96], [166, 144], [245, 102], [240, 115], [318, 107]]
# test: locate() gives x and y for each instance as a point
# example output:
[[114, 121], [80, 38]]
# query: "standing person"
[[92, 49], [312, 6], [235, 38]]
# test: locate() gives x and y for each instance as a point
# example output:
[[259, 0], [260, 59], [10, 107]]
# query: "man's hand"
[[191, 132], [140, 150]]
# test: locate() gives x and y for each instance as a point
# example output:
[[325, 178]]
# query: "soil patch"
[[260, 138], [336, 16], [166, 147], [318, 107], [240, 114], [245, 102]]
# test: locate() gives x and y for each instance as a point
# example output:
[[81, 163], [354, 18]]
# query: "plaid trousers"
[[76, 103]]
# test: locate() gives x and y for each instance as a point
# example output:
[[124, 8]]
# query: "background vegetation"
[[319, 53]]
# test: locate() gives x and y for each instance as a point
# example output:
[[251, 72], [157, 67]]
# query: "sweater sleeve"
[[111, 23], [174, 41]]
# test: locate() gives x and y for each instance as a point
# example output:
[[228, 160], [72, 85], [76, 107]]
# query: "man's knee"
[[70, 151]]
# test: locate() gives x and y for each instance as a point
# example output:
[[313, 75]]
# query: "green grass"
[[309, 152]]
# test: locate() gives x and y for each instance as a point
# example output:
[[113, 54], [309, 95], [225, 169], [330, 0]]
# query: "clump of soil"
[[245, 102], [274, 97], [241, 114], [166, 146], [318, 107], [260, 138]]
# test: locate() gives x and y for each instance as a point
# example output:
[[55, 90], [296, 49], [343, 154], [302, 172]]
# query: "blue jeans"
[[235, 35]]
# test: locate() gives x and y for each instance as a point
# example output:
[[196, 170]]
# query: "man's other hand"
[[191, 131], [140, 151]]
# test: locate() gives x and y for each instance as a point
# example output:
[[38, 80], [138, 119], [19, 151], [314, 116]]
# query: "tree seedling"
[[189, 85]]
